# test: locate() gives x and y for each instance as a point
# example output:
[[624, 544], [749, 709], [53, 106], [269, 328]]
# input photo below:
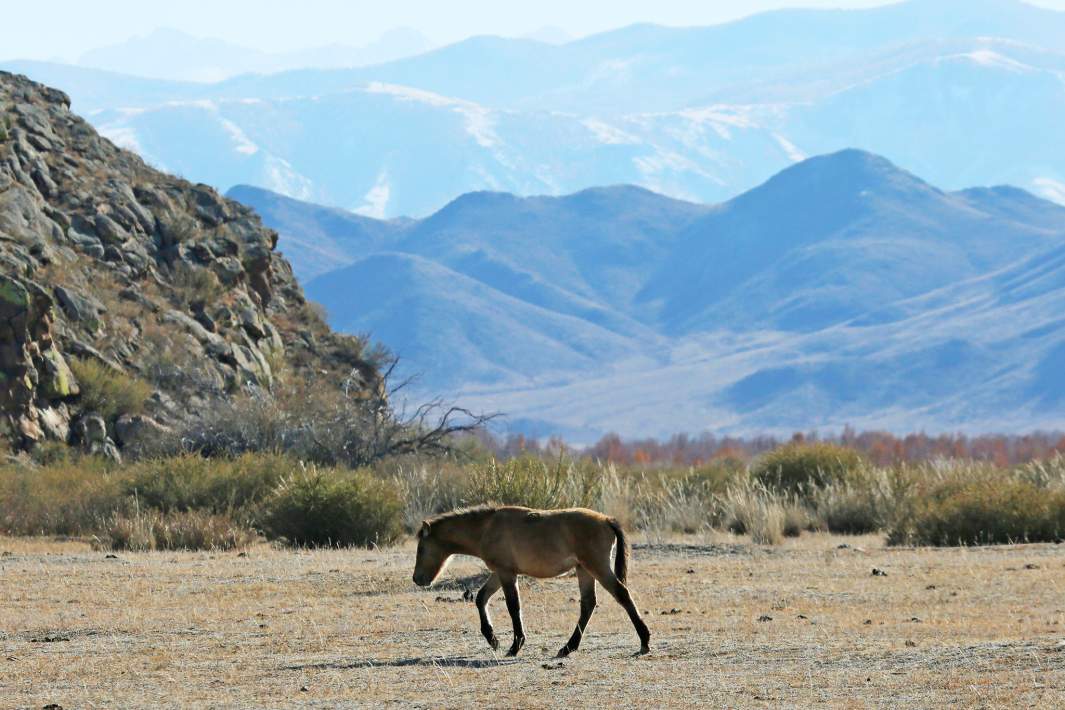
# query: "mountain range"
[[843, 290], [961, 92], [167, 53]]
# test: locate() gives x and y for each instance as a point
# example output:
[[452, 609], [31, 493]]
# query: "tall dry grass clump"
[[535, 483], [143, 531], [755, 510]]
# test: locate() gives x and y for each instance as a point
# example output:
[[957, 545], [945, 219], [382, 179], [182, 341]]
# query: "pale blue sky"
[[64, 29]]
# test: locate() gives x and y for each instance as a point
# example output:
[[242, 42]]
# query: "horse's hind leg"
[[587, 584], [605, 576], [490, 587], [510, 591]]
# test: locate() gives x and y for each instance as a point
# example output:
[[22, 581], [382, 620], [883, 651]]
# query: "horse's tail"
[[621, 556]]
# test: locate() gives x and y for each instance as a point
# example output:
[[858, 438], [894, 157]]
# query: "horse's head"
[[432, 556]]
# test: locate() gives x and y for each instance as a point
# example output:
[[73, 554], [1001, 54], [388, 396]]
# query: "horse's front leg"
[[490, 587], [510, 591]]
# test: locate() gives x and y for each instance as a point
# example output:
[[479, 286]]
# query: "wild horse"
[[538, 543]]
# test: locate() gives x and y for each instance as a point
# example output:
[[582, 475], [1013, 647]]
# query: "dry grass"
[[972, 627]]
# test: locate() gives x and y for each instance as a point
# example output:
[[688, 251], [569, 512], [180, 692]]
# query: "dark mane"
[[473, 511]]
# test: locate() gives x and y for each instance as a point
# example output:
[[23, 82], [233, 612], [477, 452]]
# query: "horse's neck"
[[464, 535]]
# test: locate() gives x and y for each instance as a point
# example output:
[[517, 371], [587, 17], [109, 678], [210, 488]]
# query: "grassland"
[[803, 623]]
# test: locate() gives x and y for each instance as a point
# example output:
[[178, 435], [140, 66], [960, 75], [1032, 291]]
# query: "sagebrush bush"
[[232, 486], [799, 468], [982, 511], [108, 392], [71, 497], [535, 483], [148, 530], [333, 508]]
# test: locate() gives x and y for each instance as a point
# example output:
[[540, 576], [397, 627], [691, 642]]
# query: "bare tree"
[[356, 426]]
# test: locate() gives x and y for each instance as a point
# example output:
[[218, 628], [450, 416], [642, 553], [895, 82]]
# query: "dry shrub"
[[798, 468], [108, 392], [235, 487], [190, 530], [981, 510], [334, 508], [194, 284], [70, 497]]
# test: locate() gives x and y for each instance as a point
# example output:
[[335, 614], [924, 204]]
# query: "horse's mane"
[[473, 511]]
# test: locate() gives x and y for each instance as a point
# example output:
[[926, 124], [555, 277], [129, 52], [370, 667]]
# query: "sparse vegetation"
[[193, 285], [107, 391], [274, 494]]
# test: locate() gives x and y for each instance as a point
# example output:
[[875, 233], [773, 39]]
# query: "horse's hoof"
[[563, 652], [494, 643], [644, 650], [516, 647]]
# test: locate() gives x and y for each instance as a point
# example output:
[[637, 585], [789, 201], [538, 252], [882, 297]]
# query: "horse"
[[512, 540]]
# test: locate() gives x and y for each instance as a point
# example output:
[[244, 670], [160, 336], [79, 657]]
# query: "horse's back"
[[546, 543]]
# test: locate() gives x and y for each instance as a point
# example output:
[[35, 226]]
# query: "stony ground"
[[808, 623]]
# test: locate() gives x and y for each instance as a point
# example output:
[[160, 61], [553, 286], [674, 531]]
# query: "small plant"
[[333, 508], [798, 468], [109, 392]]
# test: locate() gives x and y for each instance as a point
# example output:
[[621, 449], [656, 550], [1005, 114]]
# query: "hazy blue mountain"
[[454, 330], [700, 114], [833, 238], [174, 55], [842, 290], [318, 239]]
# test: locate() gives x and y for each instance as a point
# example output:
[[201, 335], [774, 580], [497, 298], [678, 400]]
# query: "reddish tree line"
[[881, 448]]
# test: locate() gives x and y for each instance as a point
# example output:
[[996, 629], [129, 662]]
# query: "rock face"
[[104, 258]]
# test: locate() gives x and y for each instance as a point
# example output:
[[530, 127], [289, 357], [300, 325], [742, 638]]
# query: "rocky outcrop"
[[104, 258]]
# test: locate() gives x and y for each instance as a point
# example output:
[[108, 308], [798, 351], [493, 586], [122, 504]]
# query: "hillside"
[[697, 113], [842, 290], [106, 260]]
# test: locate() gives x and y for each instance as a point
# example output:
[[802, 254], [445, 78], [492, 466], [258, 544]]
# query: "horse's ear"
[[424, 532]]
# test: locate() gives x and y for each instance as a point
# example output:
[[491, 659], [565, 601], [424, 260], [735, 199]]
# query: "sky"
[[64, 29]]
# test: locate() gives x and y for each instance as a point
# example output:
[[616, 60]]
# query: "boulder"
[[133, 430]]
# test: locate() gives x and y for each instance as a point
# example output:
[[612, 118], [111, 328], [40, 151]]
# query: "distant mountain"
[[319, 239], [700, 114], [174, 55], [842, 290]]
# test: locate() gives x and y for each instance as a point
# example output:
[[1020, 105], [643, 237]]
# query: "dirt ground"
[[804, 624]]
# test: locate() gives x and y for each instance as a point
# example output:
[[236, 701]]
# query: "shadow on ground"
[[452, 662]]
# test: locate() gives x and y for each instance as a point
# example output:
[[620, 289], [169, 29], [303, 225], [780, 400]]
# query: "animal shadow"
[[445, 662]]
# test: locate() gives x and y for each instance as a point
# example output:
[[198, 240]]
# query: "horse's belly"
[[544, 568]]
